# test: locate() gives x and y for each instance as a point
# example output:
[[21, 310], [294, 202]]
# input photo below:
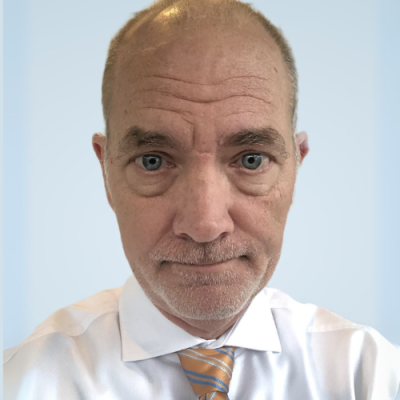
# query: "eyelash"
[[247, 152]]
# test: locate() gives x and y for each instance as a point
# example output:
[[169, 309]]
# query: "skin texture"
[[202, 233]]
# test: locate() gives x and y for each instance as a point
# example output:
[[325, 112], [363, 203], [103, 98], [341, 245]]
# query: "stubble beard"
[[209, 297], [204, 296]]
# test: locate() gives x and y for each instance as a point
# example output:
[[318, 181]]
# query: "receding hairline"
[[186, 10]]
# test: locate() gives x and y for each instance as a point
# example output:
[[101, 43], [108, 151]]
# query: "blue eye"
[[252, 161], [151, 162]]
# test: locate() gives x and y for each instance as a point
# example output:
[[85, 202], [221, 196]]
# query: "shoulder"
[[309, 317], [304, 320], [71, 321], [336, 344], [63, 349]]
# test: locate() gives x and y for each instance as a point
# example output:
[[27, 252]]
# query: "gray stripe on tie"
[[205, 361], [212, 358]]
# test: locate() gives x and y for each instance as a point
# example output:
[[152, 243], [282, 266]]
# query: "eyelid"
[[266, 164], [134, 158], [249, 152], [148, 153], [238, 158]]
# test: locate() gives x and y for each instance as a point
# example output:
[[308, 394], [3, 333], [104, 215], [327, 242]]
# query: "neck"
[[204, 329]]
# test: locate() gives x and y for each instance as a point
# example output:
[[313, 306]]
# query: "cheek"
[[278, 201], [265, 216], [142, 221]]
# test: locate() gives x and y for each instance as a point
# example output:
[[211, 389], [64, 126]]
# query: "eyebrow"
[[261, 136], [137, 137]]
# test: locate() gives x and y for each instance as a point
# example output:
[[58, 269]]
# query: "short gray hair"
[[228, 10]]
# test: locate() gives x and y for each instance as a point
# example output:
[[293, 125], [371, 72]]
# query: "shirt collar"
[[146, 333]]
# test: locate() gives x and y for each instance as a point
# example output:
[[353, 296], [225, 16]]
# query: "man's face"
[[201, 167]]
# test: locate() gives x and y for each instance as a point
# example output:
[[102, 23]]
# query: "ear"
[[302, 143], [99, 146]]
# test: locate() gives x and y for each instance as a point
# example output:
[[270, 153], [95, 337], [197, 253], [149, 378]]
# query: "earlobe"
[[302, 143]]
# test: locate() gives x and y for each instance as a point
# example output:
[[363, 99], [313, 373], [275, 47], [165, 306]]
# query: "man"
[[199, 163]]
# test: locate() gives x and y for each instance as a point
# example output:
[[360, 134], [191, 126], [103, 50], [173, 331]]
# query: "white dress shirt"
[[117, 345]]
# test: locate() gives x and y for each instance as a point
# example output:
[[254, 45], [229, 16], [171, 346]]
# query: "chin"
[[212, 302]]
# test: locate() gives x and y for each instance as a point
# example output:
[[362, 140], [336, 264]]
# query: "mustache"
[[187, 251]]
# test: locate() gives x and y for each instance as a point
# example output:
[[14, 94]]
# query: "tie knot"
[[209, 371]]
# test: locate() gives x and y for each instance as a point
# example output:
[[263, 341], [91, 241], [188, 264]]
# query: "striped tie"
[[209, 371]]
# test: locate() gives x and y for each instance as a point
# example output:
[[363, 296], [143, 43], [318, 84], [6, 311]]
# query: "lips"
[[198, 268], [206, 264]]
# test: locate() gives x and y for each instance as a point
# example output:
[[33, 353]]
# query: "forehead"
[[217, 53], [211, 70]]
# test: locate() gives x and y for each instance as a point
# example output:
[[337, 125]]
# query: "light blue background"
[[342, 244]]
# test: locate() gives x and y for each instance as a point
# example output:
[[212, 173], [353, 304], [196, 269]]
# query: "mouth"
[[208, 267], [203, 264], [206, 263]]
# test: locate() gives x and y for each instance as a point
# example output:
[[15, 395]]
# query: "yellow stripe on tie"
[[209, 371]]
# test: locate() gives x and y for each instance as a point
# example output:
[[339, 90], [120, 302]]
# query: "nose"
[[203, 203]]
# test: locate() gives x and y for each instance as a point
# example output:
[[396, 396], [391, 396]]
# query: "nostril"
[[184, 236]]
